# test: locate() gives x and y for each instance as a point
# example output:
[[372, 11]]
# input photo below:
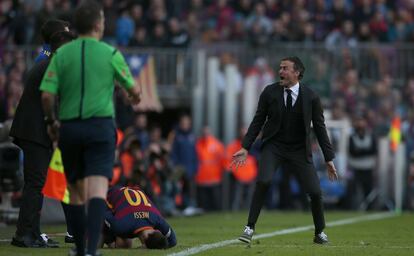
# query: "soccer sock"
[[66, 212], [317, 213], [76, 219], [96, 211], [258, 199]]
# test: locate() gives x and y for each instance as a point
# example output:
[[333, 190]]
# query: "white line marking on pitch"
[[205, 247]]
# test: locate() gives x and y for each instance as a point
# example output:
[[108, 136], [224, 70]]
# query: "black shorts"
[[88, 148]]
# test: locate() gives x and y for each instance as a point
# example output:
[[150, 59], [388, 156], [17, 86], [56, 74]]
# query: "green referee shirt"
[[82, 74]]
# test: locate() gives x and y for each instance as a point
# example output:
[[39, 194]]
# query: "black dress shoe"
[[69, 239], [28, 242], [50, 242], [321, 238]]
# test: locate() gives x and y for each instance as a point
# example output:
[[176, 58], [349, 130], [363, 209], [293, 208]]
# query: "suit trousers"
[[272, 157], [36, 159]]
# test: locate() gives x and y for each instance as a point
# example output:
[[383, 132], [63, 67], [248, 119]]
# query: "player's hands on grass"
[[238, 159], [332, 174]]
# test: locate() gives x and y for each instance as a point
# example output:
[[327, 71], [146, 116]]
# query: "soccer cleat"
[[247, 235], [321, 238]]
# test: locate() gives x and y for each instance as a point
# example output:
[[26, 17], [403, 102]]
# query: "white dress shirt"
[[294, 93]]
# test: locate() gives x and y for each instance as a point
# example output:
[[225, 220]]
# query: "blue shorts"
[[88, 147]]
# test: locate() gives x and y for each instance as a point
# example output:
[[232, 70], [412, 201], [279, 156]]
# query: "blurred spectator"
[[259, 19], [279, 31], [111, 17], [344, 37], [243, 8], [195, 18], [341, 11], [47, 12], [362, 159], [379, 26], [133, 165], [258, 36], [244, 175], [184, 157], [140, 38], [364, 33], [124, 28], [159, 36], [65, 10], [262, 74], [320, 79], [3, 96], [221, 15], [321, 17], [237, 32], [137, 15], [157, 13], [363, 11], [210, 154], [23, 25], [178, 36], [139, 130]]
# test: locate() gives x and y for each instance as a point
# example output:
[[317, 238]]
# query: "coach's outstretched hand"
[[239, 159], [332, 174]]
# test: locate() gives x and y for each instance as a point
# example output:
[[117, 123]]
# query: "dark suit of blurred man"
[[30, 134]]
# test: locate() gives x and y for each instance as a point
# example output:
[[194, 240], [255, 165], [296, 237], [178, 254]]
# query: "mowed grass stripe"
[[205, 247]]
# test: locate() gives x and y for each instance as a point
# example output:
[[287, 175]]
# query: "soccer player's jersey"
[[130, 211]]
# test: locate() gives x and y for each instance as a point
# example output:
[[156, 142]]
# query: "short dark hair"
[[51, 27], [87, 14], [297, 65], [156, 240], [56, 32]]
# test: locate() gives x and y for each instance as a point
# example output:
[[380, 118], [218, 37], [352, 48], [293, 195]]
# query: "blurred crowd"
[[182, 169], [166, 23]]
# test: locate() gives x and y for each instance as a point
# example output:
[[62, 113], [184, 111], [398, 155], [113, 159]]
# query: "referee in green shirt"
[[82, 75]]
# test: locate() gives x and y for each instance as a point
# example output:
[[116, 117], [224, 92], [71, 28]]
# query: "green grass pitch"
[[388, 236]]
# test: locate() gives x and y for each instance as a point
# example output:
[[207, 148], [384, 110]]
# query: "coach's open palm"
[[332, 174], [238, 159]]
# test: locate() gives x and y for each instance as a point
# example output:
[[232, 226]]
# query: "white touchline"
[[205, 247]]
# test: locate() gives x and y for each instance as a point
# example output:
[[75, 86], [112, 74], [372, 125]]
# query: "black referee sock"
[[96, 211], [66, 212], [76, 219]]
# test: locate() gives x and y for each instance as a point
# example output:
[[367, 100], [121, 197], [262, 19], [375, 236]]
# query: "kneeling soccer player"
[[131, 214]]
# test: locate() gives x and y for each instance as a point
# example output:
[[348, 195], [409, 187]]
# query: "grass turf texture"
[[390, 236]]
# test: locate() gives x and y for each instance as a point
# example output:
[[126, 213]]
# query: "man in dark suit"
[[30, 134], [285, 111]]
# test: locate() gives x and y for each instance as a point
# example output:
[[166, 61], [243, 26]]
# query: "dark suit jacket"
[[28, 123], [269, 117]]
